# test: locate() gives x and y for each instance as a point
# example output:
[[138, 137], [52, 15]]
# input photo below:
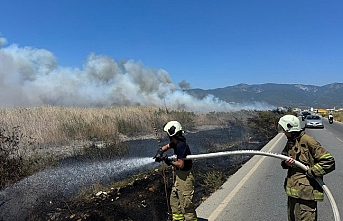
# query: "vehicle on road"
[[314, 121], [330, 118], [304, 114]]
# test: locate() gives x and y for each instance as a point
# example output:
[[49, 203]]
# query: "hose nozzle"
[[172, 157], [159, 157]]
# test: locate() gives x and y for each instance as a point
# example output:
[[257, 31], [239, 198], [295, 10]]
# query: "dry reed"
[[56, 125]]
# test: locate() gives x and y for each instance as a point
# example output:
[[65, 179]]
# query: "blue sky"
[[209, 44]]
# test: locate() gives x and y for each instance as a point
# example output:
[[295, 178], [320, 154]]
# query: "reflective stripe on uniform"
[[319, 168], [325, 156], [292, 192], [318, 195], [177, 216]]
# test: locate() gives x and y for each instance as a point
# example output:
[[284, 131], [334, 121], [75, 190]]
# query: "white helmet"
[[172, 127], [289, 123]]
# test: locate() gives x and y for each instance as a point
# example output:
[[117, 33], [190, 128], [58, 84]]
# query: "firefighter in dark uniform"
[[302, 189], [181, 197]]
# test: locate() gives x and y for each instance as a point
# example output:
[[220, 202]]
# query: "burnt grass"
[[145, 198]]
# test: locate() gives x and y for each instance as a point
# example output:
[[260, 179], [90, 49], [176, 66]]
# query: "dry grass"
[[338, 116], [56, 125], [51, 124]]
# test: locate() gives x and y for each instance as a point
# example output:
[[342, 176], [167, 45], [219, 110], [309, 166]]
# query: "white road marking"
[[226, 201], [335, 137]]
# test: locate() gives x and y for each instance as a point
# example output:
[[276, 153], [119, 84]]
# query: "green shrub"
[[264, 125], [213, 180]]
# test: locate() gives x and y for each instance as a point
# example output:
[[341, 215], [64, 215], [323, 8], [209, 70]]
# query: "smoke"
[[32, 77], [184, 85], [3, 41]]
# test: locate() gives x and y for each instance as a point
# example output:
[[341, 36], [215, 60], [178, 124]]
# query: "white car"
[[314, 121]]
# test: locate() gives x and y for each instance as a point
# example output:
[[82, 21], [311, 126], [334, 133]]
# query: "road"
[[255, 192]]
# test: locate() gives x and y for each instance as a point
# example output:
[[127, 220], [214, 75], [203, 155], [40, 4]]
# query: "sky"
[[160, 46]]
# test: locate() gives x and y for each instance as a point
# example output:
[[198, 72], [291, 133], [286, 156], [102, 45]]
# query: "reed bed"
[[56, 125]]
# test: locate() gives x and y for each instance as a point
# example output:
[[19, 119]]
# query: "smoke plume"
[[32, 77]]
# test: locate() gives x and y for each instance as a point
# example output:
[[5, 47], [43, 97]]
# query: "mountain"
[[280, 95]]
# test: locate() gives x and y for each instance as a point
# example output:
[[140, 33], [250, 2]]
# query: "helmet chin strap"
[[294, 135]]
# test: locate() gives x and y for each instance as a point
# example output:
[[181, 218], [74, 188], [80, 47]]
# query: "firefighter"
[[181, 197], [302, 189]]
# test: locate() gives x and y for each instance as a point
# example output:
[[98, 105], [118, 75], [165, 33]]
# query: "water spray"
[[268, 154], [17, 200]]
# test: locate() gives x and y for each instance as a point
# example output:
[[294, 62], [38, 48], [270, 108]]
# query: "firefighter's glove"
[[310, 173], [168, 161], [159, 155]]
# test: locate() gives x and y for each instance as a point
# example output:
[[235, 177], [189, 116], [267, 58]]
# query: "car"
[[314, 121], [304, 115]]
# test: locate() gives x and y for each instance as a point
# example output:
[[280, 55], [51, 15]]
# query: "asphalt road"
[[255, 192]]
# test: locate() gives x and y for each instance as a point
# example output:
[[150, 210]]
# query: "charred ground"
[[143, 199]]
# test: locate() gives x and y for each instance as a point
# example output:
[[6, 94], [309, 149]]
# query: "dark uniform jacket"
[[300, 183], [181, 150]]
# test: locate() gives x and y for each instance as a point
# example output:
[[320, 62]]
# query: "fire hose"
[[282, 157]]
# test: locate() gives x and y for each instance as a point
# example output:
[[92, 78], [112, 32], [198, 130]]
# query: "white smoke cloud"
[[32, 77], [184, 85], [3, 41]]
